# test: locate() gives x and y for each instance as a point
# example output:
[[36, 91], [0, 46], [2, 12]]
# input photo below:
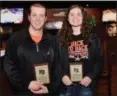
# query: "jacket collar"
[[28, 36]]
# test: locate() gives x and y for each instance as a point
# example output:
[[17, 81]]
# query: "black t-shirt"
[[77, 50]]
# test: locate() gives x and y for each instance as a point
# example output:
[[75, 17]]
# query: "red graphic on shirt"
[[78, 50]]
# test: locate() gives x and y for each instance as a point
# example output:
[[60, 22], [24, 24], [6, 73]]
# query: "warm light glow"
[[109, 15], [1, 29], [54, 25], [62, 13]]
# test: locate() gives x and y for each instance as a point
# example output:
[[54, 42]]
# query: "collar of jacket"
[[28, 36]]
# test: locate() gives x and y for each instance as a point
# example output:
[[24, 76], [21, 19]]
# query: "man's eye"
[[71, 15], [41, 15]]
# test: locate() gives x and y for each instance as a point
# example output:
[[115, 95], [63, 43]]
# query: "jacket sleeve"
[[11, 64], [96, 57], [64, 60]]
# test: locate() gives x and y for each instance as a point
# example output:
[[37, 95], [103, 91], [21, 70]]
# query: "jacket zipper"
[[37, 48]]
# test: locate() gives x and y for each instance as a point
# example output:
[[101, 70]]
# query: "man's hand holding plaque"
[[37, 88], [42, 73]]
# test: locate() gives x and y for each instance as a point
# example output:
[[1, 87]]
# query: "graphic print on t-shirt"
[[77, 50]]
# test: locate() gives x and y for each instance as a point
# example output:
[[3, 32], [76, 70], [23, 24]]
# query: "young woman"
[[80, 54]]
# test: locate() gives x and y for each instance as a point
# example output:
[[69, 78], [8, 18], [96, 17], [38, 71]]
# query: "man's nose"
[[38, 18]]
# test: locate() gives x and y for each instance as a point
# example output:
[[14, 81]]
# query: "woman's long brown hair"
[[66, 30]]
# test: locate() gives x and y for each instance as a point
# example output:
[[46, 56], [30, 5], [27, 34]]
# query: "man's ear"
[[28, 17]]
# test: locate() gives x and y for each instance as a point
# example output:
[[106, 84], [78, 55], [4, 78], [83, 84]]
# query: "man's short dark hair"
[[37, 5]]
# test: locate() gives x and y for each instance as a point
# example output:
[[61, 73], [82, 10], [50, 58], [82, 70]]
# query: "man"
[[26, 51]]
